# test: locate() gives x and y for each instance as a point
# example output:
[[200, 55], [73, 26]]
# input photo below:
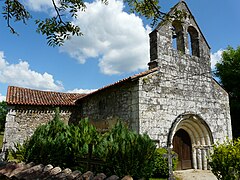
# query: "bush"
[[3, 113], [82, 141], [161, 163], [48, 144], [62, 145], [58, 144], [18, 153], [225, 160], [127, 153], [119, 151]]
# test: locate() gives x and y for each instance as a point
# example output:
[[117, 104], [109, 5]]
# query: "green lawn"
[[1, 139]]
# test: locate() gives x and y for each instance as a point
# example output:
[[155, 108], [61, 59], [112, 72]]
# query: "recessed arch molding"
[[200, 135]]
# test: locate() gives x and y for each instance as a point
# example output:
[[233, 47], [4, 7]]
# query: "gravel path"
[[193, 174]]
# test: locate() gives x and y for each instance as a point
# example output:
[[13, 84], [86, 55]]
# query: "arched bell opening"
[[191, 138], [193, 41], [178, 36]]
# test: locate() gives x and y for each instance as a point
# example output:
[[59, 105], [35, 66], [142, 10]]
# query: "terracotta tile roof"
[[131, 78], [24, 96]]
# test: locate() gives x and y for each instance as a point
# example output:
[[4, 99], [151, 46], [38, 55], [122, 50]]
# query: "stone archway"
[[200, 136]]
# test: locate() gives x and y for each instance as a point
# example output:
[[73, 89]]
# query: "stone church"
[[176, 102]]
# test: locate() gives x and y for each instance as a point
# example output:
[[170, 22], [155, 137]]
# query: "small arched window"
[[178, 38], [193, 41]]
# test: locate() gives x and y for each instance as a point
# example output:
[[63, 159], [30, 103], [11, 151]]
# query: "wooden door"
[[183, 147]]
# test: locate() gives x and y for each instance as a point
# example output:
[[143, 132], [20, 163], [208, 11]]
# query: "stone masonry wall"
[[22, 121], [183, 83], [104, 108], [181, 86]]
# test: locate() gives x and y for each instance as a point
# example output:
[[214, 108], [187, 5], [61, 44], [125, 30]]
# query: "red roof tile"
[[24, 96]]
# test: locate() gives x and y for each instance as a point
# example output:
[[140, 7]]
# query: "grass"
[[1, 139]]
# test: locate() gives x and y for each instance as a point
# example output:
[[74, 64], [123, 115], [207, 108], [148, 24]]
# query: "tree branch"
[[8, 17], [58, 13]]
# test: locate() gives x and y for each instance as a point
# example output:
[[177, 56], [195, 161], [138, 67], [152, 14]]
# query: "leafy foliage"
[[225, 160], [3, 113], [13, 9], [228, 70], [47, 144], [59, 144], [56, 31], [59, 27], [127, 152], [119, 151], [149, 9], [18, 153], [81, 141], [161, 163]]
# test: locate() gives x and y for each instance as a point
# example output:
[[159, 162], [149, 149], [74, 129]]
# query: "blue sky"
[[114, 45]]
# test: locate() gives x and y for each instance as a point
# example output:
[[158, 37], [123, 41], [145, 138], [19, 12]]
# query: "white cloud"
[[216, 57], [117, 39], [21, 75], [81, 91], [2, 98], [39, 5]]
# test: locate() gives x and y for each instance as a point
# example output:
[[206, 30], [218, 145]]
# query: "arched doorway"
[[195, 134], [183, 147]]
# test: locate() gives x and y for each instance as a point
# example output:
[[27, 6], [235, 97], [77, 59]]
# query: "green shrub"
[[161, 163], [225, 160], [127, 153], [80, 139], [119, 151], [48, 144], [3, 113], [18, 153], [58, 144]]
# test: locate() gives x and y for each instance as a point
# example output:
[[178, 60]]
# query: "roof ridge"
[[27, 96], [133, 77], [47, 91]]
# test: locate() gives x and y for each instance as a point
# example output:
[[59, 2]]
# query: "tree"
[[59, 27], [3, 113], [228, 70]]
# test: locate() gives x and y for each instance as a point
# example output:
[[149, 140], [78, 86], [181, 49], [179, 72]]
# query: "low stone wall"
[[22, 121], [31, 172]]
